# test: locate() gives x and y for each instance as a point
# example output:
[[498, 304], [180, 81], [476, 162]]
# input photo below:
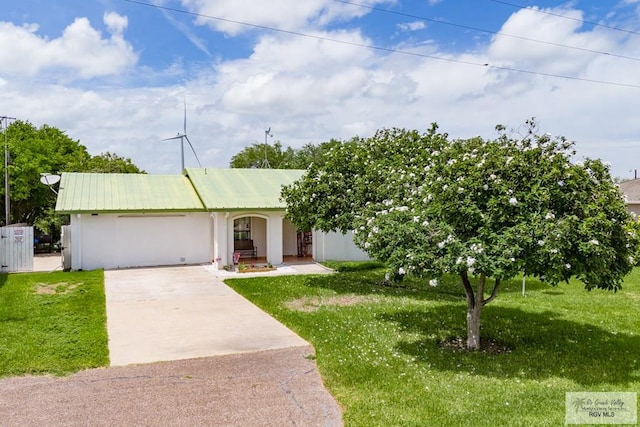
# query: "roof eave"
[[128, 211]]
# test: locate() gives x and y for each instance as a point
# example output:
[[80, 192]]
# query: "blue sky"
[[114, 73]]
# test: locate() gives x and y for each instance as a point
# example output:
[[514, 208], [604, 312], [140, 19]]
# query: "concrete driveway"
[[262, 373], [174, 313]]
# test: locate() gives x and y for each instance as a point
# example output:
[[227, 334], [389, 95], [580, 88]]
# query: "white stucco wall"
[[118, 241], [634, 208], [289, 238], [259, 235], [336, 247], [135, 240]]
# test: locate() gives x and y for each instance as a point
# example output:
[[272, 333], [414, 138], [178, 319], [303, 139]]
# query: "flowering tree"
[[483, 210]]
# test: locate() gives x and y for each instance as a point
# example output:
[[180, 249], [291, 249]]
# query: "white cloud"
[[412, 26], [116, 23], [80, 49], [549, 57], [288, 74], [290, 15], [312, 89]]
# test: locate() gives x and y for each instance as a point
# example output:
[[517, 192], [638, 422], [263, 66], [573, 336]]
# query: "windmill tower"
[[182, 136], [265, 162]]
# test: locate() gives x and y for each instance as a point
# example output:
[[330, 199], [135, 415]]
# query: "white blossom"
[[485, 187], [549, 215], [561, 183], [567, 266], [433, 282], [540, 242], [594, 242], [513, 201], [512, 259], [401, 271], [477, 248]]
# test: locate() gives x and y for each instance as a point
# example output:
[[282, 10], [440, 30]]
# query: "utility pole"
[[7, 211]]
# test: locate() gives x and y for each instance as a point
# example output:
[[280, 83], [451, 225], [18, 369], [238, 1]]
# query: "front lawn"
[[52, 322], [380, 351]]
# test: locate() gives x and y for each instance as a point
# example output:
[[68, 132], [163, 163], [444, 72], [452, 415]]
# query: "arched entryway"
[[250, 238]]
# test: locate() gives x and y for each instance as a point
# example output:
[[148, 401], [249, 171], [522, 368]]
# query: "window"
[[242, 228]]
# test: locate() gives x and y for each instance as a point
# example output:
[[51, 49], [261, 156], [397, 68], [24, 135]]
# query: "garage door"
[[161, 240]]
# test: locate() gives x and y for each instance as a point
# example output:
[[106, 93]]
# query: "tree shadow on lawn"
[[369, 283], [543, 345], [449, 289]]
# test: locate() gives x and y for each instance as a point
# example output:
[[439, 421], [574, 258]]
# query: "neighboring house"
[[631, 191], [131, 220]]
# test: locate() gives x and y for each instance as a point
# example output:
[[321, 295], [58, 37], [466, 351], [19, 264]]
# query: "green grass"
[[378, 348], [344, 266], [52, 322]]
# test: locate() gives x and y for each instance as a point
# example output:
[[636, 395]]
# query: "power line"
[[386, 49], [582, 21], [482, 30]]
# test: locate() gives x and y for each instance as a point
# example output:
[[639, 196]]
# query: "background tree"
[[254, 156], [312, 153], [484, 210], [33, 151], [110, 163], [279, 158]]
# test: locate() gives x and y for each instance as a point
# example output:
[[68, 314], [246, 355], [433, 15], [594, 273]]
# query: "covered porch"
[[258, 238]]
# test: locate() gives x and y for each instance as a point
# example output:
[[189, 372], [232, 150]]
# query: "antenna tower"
[[265, 162]]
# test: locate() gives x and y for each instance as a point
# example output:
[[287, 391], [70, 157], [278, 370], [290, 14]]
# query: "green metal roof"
[[233, 189], [107, 192]]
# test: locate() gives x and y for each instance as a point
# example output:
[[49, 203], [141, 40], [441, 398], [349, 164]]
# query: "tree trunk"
[[475, 302], [473, 326]]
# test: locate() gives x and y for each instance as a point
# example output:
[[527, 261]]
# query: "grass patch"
[[344, 266], [52, 322], [381, 354]]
